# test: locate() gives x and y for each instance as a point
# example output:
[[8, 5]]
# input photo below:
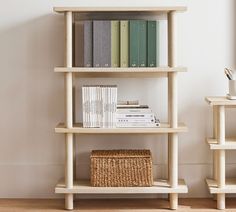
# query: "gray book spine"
[[101, 43], [79, 44], [106, 44], [88, 40]]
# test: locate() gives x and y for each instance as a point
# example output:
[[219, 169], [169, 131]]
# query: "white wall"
[[31, 44]]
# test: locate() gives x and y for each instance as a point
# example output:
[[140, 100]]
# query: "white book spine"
[[133, 111], [103, 106], [109, 106], [134, 120], [127, 125], [83, 105], [114, 106], [137, 116], [90, 107]]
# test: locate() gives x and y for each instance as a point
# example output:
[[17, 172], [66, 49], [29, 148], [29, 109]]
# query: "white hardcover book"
[[141, 125], [90, 107], [163, 43], [108, 104], [103, 106], [106, 107], [109, 107], [94, 105], [135, 120], [137, 116], [133, 111], [114, 106], [98, 106], [86, 106], [83, 112]]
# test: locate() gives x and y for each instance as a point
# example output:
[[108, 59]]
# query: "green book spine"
[[157, 43], [151, 43], [115, 44], [124, 43], [133, 43], [142, 43]]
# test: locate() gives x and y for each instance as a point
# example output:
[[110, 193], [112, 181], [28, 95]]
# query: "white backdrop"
[[32, 98]]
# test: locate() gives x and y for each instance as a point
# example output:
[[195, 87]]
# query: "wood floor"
[[114, 205]]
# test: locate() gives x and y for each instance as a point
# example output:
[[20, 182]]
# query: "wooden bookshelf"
[[172, 186], [219, 184]]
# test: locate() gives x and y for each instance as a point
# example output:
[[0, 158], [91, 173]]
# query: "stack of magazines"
[[131, 114], [99, 106]]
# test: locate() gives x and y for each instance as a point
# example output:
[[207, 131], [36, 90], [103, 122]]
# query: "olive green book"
[[151, 43], [115, 44], [133, 43], [124, 43], [142, 52]]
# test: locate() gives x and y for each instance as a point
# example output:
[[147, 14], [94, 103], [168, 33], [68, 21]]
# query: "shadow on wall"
[[32, 93]]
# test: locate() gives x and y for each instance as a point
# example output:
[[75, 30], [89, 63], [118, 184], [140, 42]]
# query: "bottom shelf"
[[230, 186], [83, 187]]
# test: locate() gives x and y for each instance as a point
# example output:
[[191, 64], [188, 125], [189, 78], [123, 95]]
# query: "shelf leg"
[[215, 135], [221, 157], [215, 124], [173, 139], [173, 171], [69, 112], [173, 108]]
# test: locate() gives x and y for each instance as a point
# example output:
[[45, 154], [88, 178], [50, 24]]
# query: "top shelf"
[[220, 100], [119, 9], [145, 72]]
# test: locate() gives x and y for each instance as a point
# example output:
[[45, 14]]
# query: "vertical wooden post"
[[173, 110], [221, 157], [74, 136], [215, 136], [69, 112]]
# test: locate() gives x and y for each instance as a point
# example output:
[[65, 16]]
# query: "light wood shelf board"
[[222, 100], [230, 186], [83, 187], [230, 144], [119, 9], [147, 72], [165, 128]]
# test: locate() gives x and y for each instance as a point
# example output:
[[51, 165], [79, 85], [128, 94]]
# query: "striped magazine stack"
[[99, 106], [135, 115]]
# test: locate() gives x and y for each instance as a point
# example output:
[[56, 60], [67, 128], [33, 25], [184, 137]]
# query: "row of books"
[[101, 110], [99, 105], [135, 115], [124, 43]]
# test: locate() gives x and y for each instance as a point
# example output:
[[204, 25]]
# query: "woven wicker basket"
[[121, 168]]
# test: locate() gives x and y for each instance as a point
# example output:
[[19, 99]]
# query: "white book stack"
[[135, 116], [99, 106]]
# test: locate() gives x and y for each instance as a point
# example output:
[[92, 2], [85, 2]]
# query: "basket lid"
[[121, 153]]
